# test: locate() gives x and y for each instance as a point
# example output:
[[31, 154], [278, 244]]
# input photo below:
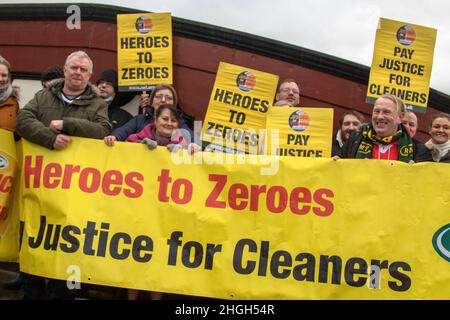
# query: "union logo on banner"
[[406, 35], [441, 242], [299, 120], [246, 81], [3, 162], [143, 24]]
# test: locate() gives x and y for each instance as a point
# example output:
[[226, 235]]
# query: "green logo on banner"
[[441, 242]]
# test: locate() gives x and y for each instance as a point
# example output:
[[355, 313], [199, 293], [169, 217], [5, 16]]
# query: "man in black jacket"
[[350, 121], [107, 84]]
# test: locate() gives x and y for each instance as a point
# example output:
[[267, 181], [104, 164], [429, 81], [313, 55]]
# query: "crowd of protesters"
[[70, 105]]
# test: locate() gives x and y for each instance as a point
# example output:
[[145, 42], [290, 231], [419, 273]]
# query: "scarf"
[[405, 143], [339, 138], [5, 91], [438, 150]]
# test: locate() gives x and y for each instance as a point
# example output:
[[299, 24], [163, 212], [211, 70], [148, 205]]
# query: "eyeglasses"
[[286, 90], [166, 97]]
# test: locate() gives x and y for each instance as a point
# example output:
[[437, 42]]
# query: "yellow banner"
[[314, 229], [9, 220], [238, 107], [299, 132], [144, 50], [402, 63]]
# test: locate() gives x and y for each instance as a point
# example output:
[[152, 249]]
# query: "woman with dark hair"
[[9, 96], [438, 146], [163, 131], [162, 94]]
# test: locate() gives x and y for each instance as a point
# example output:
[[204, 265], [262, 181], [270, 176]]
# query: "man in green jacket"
[[67, 107]]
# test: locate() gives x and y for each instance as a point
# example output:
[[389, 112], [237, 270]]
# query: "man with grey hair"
[[73, 107], [67, 107], [410, 122]]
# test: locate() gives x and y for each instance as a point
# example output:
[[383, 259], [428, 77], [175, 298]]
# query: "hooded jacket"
[[87, 116], [8, 110]]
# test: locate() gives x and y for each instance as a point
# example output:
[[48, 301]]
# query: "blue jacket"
[[137, 123]]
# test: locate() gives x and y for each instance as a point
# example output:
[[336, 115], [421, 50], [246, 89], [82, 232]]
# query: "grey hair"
[[81, 55]]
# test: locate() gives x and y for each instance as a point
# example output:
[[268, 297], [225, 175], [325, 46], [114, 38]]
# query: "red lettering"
[[131, 180], [320, 198], [164, 180], [3, 213], [238, 191], [295, 199], [282, 199], [94, 182], [212, 198], [69, 170], [176, 191], [33, 171], [254, 196], [112, 178], [6, 183], [51, 171]]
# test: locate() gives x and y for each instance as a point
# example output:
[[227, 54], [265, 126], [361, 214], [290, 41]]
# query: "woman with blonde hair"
[[9, 96]]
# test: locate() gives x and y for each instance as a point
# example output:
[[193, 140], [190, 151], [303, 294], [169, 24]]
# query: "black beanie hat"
[[109, 75]]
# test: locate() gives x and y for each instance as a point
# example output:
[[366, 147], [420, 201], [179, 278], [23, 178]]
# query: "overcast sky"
[[343, 28]]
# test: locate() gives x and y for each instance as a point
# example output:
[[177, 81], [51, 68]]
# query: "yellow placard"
[[9, 232], [238, 107], [314, 229], [299, 132], [144, 50], [402, 63]]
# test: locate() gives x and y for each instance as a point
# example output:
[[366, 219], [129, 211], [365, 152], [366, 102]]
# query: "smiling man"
[[385, 138], [289, 91]]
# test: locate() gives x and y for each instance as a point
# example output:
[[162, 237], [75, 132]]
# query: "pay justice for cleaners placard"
[[402, 63]]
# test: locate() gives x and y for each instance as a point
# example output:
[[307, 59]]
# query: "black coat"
[[427, 157], [350, 148], [117, 116]]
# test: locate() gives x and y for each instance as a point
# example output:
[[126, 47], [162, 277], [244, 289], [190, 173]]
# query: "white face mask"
[[109, 99]]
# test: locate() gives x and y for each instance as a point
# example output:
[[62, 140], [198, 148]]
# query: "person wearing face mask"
[[438, 147], [107, 84], [349, 122], [9, 96]]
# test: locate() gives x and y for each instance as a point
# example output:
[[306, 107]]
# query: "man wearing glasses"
[[288, 91]]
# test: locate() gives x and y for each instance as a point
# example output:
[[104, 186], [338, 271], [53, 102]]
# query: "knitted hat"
[[109, 75]]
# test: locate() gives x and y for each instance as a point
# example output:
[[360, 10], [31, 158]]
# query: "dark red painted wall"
[[33, 46]]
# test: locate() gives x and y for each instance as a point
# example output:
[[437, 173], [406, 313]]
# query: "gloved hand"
[[173, 147], [151, 144]]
